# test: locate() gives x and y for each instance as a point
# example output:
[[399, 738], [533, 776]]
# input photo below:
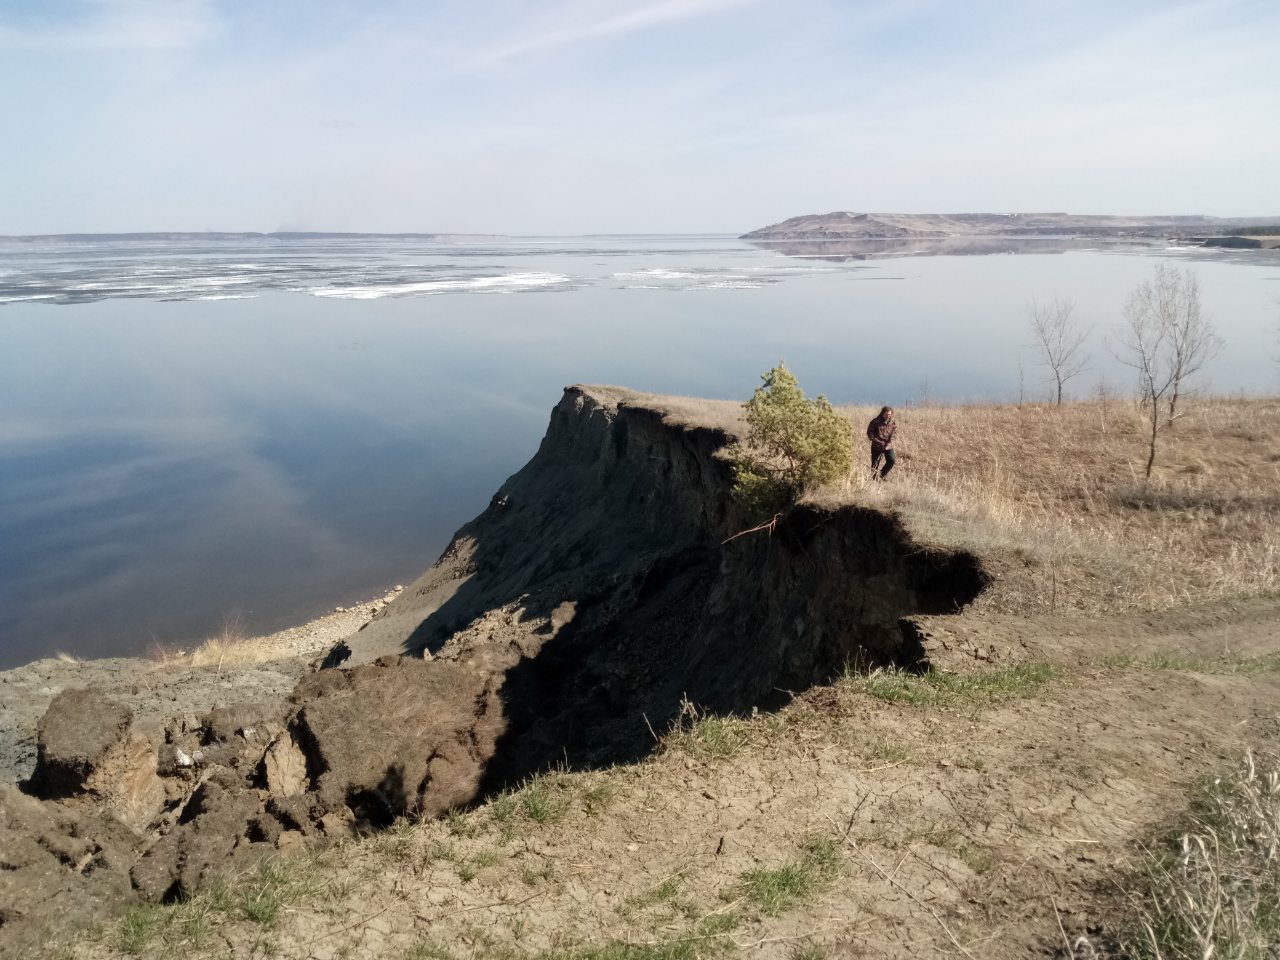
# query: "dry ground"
[[991, 815]]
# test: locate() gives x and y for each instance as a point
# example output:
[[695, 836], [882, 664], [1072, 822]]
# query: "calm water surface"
[[258, 430]]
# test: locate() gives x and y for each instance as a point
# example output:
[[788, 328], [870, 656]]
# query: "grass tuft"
[[706, 735], [545, 799], [939, 688], [774, 891], [1244, 666], [259, 896], [1212, 889], [138, 927]]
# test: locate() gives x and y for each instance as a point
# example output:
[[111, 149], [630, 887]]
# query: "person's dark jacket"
[[880, 432]]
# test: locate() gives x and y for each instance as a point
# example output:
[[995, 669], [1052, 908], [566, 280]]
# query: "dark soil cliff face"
[[602, 580]]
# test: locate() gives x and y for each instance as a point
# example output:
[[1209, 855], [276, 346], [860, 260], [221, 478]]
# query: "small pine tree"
[[792, 444]]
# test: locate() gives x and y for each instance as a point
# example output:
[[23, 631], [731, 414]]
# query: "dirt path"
[[969, 821], [1240, 628]]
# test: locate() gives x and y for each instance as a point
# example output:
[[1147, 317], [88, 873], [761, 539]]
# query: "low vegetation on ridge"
[[1055, 498]]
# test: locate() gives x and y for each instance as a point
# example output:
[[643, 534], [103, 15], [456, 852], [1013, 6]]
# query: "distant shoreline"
[[216, 235], [846, 225]]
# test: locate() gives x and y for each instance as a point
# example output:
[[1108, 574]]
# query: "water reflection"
[[164, 465]]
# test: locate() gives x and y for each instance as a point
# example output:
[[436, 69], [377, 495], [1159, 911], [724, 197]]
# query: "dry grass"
[[1213, 890], [1055, 497], [677, 411], [227, 648]]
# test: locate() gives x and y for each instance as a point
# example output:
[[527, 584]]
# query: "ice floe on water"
[[373, 268], [711, 278], [508, 282]]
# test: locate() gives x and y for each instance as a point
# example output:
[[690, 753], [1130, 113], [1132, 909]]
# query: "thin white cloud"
[[638, 18], [114, 25]]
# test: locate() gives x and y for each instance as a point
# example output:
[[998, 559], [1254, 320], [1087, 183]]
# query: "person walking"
[[880, 432]]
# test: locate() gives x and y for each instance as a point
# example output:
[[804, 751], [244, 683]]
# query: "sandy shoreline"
[[158, 690]]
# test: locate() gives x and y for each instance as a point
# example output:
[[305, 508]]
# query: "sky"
[[626, 116]]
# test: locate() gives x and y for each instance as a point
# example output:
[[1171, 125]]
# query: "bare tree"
[[1166, 338], [1060, 338], [1172, 300]]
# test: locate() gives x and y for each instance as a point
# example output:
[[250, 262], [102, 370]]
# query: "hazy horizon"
[[625, 116], [500, 234]]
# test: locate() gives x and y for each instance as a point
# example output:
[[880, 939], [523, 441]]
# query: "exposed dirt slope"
[[603, 579], [602, 597], [601, 590], [991, 824]]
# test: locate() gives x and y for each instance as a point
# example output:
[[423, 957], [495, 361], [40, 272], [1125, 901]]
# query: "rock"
[[290, 842], [337, 826], [59, 869], [87, 751], [246, 719], [300, 813], [284, 767], [76, 735], [215, 834], [404, 736]]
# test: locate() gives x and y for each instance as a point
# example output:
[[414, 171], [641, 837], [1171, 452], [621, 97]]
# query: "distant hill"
[[844, 225]]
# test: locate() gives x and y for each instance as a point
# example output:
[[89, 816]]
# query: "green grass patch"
[[939, 688], [890, 751], [459, 824], [705, 940], [274, 884], [596, 800], [707, 735], [546, 800], [259, 896], [668, 898], [1246, 666], [774, 891], [668, 890], [139, 926], [470, 868]]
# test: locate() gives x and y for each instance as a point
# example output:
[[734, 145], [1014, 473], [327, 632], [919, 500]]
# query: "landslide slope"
[[602, 593], [605, 580]]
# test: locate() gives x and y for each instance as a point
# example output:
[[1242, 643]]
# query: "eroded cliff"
[[604, 586]]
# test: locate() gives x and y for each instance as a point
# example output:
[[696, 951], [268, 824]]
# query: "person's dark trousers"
[[890, 458]]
